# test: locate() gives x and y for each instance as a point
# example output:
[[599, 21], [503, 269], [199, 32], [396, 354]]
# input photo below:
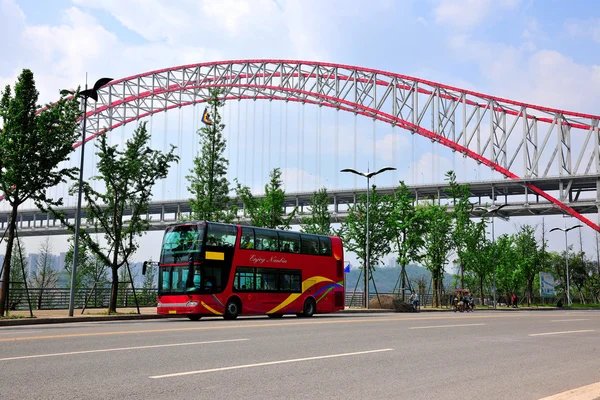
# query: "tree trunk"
[[481, 290], [462, 273], [6, 267], [402, 273], [112, 306]]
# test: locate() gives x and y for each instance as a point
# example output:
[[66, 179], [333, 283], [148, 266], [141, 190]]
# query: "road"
[[491, 355]]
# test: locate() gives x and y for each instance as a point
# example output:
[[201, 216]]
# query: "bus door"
[[218, 257]]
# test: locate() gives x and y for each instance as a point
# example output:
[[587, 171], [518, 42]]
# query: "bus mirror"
[[144, 265]]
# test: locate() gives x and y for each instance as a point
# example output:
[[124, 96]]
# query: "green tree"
[[319, 221], [208, 179], [45, 277], [128, 177], [406, 224], [479, 255], [268, 211], [527, 253], [90, 269], [507, 274], [462, 225], [32, 146], [437, 244], [18, 265], [354, 230]]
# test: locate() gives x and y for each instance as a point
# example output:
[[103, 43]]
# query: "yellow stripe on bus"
[[307, 284], [212, 310], [215, 255]]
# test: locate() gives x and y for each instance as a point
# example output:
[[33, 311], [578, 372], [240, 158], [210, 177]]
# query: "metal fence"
[[58, 298]]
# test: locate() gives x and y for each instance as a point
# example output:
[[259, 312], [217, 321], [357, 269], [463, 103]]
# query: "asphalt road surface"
[[481, 355]]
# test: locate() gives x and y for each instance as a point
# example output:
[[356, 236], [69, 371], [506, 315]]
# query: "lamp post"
[[85, 95], [367, 175], [565, 230], [493, 211]]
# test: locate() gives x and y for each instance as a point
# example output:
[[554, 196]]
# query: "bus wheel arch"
[[309, 308], [233, 308]]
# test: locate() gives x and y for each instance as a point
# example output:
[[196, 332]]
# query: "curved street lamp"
[[367, 175], [565, 230], [85, 95]]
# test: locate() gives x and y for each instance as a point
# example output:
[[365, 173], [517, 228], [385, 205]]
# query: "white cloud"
[[467, 14], [589, 28]]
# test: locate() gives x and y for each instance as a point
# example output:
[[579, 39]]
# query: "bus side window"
[[267, 239], [244, 279], [290, 281], [325, 243], [310, 244], [289, 242], [247, 241]]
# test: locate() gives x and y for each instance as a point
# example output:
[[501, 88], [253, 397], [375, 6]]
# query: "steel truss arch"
[[499, 133]]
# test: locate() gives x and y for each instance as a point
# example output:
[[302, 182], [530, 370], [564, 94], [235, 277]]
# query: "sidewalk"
[[130, 313]]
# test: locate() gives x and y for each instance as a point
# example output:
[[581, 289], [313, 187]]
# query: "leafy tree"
[[406, 223], [208, 181], [18, 264], [507, 276], [45, 276], [320, 220], [128, 177], [526, 251], [269, 211], [479, 255], [354, 230], [32, 146], [437, 244], [90, 268], [462, 225]]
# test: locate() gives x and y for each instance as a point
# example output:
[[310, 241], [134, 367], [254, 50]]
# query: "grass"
[[11, 316], [105, 312]]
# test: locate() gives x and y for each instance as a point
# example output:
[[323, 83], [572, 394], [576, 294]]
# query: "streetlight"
[[367, 175], [493, 210], [565, 230], [86, 94]]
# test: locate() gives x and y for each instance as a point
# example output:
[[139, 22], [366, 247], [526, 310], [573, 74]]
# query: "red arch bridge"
[[550, 158]]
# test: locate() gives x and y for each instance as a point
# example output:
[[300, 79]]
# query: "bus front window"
[[180, 242]]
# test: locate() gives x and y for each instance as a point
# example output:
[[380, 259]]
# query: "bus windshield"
[[180, 242]]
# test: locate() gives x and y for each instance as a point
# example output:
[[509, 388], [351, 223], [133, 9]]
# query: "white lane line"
[[589, 392], [268, 363], [443, 326], [120, 349], [15, 332], [569, 320], [560, 333]]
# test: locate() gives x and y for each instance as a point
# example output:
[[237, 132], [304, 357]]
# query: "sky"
[[542, 52]]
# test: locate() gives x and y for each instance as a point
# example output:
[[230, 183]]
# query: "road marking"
[[589, 392], [119, 349], [443, 326], [569, 320], [247, 324], [15, 332], [203, 371], [560, 333]]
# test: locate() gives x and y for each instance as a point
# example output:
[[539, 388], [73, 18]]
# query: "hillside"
[[386, 278]]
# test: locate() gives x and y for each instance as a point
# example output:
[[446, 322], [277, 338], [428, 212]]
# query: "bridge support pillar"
[[335, 204], [162, 213]]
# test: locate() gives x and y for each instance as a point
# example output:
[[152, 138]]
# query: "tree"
[[45, 277], [479, 255], [269, 211], [128, 177], [208, 181], [406, 224], [319, 221], [32, 146], [90, 269], [528, 257], [462, 225], [18, 265], [354, 230], [506, 265], [437, 244]]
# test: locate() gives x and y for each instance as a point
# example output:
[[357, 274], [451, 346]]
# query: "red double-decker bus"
[[209, 269]]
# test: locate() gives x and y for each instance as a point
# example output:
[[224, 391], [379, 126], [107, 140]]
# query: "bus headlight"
[[191, 304], [159, 304]]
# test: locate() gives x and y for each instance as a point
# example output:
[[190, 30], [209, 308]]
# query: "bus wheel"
[[194, 317], [309, 308], [275, 315], [232, 309]]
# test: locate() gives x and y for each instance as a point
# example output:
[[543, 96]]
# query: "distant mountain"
[[387, 277]]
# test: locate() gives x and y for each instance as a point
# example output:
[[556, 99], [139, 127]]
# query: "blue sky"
[[543, 52]]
